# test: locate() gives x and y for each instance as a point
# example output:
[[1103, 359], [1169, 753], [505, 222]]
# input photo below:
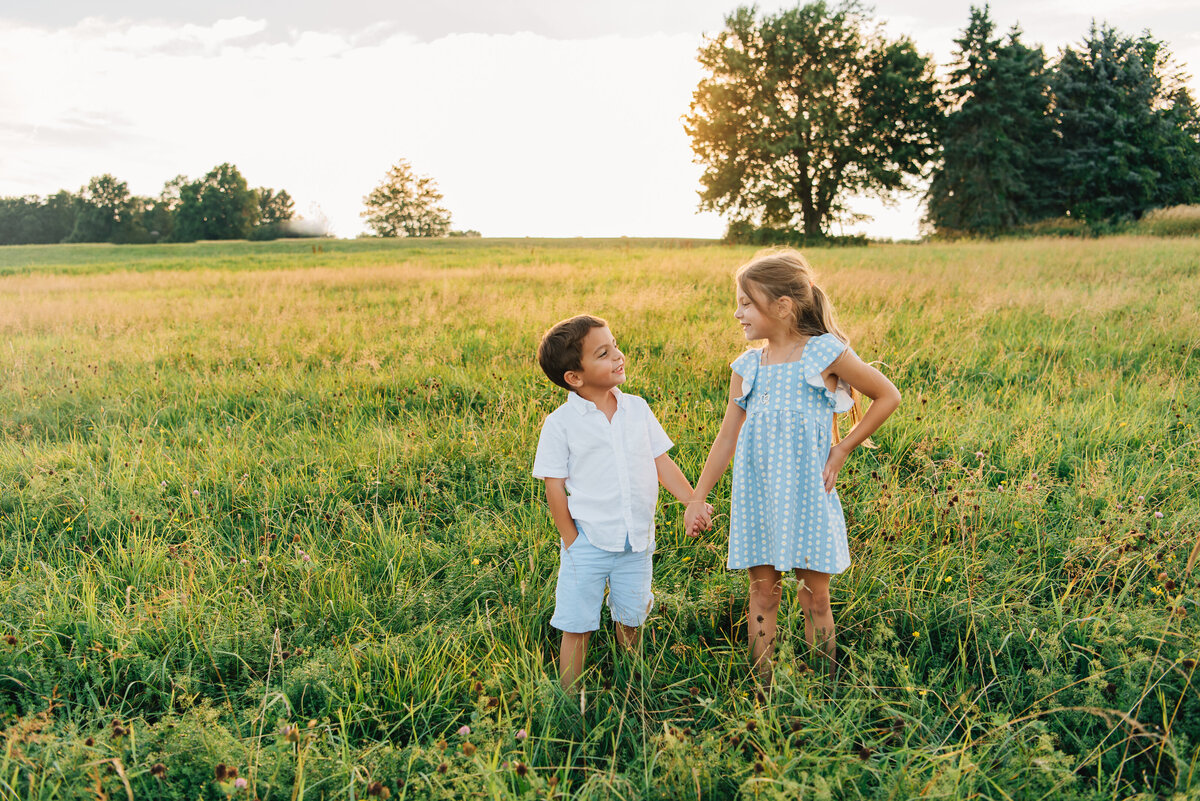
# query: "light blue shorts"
[[583, 572]]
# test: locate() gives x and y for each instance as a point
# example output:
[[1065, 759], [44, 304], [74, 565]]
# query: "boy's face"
[[602, 364]]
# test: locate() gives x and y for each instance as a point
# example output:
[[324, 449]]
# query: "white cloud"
[[525, 135]]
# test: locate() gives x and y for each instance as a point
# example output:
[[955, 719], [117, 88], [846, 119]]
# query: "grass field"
[[267, 509]]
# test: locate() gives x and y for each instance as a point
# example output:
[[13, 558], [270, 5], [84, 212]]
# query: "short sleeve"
[[660, 443], [821, 353], [551, 458], [746, 366]]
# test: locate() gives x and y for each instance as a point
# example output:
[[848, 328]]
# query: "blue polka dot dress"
[[780, 514]]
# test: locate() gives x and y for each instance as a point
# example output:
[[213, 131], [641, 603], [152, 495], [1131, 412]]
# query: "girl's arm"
[[719, 455], [885, 398], [671, 477]]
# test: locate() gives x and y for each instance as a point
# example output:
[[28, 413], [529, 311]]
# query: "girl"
[[785, 513]]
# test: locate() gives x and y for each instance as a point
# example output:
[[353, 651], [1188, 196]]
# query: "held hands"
[[837, 458], [698, 517]]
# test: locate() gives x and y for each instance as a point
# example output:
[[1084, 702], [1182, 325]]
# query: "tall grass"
[[270, 509]]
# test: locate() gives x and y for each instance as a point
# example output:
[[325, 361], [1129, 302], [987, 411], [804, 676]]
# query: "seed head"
[[158, 770]]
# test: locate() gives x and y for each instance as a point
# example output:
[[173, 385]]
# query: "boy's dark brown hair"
[[561, 348]]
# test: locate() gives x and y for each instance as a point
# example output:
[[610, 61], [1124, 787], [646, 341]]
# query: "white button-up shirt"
[[611, 480]]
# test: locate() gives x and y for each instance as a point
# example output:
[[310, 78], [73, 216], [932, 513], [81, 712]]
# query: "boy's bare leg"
[[628, 635], [570, 657], [761, 619], [818, 614]]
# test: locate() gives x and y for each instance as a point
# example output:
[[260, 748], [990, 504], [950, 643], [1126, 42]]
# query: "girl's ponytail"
[[823, 312]]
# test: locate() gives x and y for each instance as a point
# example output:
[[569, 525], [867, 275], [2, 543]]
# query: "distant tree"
[[219, 206], [274, 207], [1129, 127], [803, 109], [58, 213], [30, 220], [159, 213], [998, 142], [105, 208], [406, 204]]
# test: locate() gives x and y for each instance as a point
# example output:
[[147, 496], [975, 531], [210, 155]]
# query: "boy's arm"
[[556, 497], [671, 477]]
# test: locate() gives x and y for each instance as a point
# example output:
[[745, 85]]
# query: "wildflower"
[[521, 768], [521, 735], [441, 745], [1158, 515], [916, 634], [162, 484], [1141, 498], [158, 770], [978, 454], [196, 493], [240, 784], [291, 733], [468, 749], [1119, 506], [464, 731], [474, 561], [948, 579]]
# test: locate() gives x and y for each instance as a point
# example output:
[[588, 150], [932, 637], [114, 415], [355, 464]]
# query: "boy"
[[602, 455]]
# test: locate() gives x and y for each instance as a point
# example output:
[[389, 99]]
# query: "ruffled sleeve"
[[821, 353], [746, 366]]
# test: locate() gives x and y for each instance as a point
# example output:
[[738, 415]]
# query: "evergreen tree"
[[1129, 128], [998, 139]]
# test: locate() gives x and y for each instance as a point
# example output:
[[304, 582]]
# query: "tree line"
[[221, 205], [801, 110]]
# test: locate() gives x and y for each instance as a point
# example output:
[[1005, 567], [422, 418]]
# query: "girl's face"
[[754, 313]]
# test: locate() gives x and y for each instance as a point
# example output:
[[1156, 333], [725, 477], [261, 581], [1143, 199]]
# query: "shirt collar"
[[582, 405]]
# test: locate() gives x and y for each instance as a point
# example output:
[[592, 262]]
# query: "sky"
[[535, 117]]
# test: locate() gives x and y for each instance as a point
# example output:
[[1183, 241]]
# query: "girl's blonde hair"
[[786, 274]]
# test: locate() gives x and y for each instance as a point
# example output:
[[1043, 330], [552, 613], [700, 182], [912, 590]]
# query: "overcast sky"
[[536, 117]]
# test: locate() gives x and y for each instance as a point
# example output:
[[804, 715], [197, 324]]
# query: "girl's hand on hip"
[[837, 458]]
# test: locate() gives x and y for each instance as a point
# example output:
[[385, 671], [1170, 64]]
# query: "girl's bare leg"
[[818, 614], [570, 657], [765, 592]]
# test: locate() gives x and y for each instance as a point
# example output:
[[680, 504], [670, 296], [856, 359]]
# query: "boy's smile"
[[602, 365]]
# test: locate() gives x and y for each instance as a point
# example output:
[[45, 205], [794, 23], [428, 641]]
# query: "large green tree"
[[1129, 127], [803, 109], [999, 148], [218, 206], [274, 207], [406, 204], [105, 208]]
